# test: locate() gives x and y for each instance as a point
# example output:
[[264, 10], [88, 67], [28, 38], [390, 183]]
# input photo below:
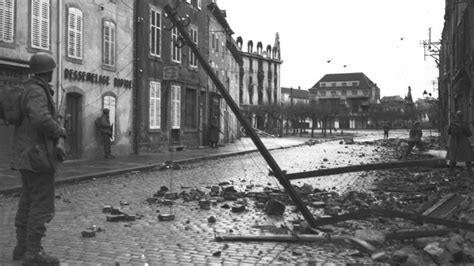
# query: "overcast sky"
[[380, 38]]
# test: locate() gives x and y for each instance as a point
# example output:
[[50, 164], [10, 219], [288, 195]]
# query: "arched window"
[[259, 48], [109, 101], [239, 42], [269, 51]]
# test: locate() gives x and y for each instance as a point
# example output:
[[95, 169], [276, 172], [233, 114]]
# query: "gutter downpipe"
[[59, 44]]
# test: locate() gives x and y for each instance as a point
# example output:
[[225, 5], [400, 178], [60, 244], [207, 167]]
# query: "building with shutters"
[[259, 78], [172, 88], [226, 60], [92, 44], [354, 92]]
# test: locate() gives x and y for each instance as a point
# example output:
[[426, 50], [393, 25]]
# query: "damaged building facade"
[[456, 69], [260, 79]]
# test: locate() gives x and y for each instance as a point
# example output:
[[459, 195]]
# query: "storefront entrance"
[[73, 125]]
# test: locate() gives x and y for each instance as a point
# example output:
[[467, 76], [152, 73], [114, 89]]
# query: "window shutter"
[[155, 105], [7, 20], [176, 106], [40, 24], [75, 33], [109, 43]]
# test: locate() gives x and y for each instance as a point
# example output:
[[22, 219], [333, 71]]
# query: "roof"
[[297, 93], [341, 77], [219, 15], [391, 99]]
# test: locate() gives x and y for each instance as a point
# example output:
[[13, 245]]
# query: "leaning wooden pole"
[[178, 23]]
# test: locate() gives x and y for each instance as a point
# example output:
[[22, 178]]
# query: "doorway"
[[72, 124]]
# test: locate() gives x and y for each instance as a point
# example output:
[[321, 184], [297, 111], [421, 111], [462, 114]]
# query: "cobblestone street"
[[190, 238]]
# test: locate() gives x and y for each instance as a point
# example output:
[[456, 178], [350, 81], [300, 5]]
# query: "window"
[[344, 84], [323, 93], [155, 105], [343, 102], [194, 38], [155, 32], [323, 84], [333, 93], [109, 101], [344, 93], [175, 106], [213, 41], [109, 44], [333, 84], [40, 24], [7, 20], [355, 83], [354, 92], [366, 92], [175, 50], [190, 119], [74, 29]]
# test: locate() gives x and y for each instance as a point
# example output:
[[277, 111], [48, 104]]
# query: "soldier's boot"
[[20, 248], [39, 257], [469, 166], [35, 255]]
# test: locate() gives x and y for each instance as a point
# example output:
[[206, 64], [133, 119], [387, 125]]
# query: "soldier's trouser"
[[107, 144], [35, 209]]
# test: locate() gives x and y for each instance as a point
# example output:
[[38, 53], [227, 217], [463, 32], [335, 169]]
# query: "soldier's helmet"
[[42, 63]]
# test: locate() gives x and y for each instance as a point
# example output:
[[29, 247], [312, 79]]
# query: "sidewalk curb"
[[108, 173]]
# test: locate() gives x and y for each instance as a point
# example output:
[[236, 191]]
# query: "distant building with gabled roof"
[[354, 91]]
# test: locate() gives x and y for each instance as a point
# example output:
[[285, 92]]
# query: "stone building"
[[226, 60], [259, 76], [92, 43], [456, 71], [353, 91], [172, 88]]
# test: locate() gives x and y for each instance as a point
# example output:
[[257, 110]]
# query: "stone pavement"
[[78, 170]]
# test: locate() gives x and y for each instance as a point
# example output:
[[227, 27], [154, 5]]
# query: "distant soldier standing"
[[459, 146], [106, 129], [386, 128]]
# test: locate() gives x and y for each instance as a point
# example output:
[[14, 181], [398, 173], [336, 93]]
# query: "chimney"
[[299, 87]]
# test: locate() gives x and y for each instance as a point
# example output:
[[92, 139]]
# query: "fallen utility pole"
[[368, 167], [282, 238], [418, 218], [180, 25]]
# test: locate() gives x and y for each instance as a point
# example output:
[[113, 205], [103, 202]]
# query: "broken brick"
[[274, 207], [205, 204], [238, 208], [88, 234]]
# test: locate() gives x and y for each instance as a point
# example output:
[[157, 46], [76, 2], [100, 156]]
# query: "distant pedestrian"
[[459, 146], [36, 156], [105, 130], [214, 133], [386, 128], [414, 139]]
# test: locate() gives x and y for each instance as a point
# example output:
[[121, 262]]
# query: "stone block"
[[88, 234], [274, 207], [237, 208]]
